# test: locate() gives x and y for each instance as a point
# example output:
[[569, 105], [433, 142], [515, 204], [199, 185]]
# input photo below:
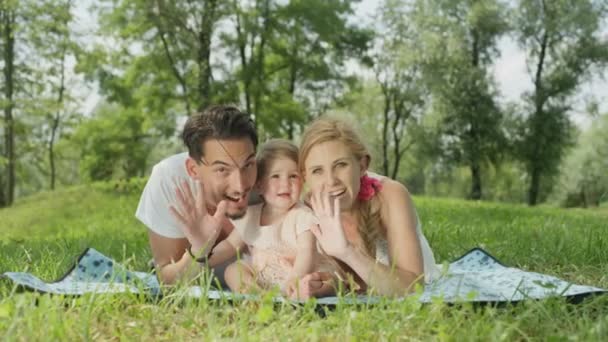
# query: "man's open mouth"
[[235, 199]]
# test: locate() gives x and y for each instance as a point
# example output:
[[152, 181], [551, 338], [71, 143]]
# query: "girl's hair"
[[324, 129], [272, 150]]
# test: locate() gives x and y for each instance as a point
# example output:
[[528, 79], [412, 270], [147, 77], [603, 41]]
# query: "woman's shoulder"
[[394, 198], [390, 188]]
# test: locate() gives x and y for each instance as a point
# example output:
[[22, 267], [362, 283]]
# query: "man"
[[217, 174]]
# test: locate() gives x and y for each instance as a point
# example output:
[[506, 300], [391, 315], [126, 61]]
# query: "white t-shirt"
[[159, 195]]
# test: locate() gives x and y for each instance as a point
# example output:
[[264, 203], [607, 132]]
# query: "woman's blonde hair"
[[272, 150], [324, 129]]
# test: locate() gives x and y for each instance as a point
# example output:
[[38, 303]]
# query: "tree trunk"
[[2, 199], [475, 180], [57, 120], [387, 109], [242, 44], [9, 70], [473, 134], [260, 59], [293, 78], [539, 101], [204, 54], [163, 32], [534, 187]]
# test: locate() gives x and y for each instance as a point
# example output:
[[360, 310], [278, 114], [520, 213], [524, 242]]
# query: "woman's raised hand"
[[329, 232], [200, 228]]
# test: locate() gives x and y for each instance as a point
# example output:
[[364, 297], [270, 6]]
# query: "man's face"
[[228, 172]]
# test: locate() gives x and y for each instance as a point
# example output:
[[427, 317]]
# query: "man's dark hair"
[[221, 122]]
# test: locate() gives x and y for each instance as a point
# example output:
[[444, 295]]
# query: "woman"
[[367, 222]]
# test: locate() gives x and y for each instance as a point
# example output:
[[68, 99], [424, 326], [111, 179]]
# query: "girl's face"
[[332, 167], [281, 185]]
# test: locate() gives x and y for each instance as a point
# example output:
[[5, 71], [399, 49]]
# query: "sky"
[[510, 68]]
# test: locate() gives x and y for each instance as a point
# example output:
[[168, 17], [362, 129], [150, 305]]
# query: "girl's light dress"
[[272, 249]]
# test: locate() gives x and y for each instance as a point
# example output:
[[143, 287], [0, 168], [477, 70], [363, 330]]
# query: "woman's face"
[[331, 167]]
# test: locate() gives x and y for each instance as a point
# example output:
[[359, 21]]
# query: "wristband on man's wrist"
[[202, 259]]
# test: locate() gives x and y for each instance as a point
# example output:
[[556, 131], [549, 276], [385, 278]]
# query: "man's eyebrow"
[[223, 163], [219, 162]]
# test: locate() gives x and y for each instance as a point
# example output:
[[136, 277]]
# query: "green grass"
[[44, 233]]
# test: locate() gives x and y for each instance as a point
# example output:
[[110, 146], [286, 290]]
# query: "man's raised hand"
[[200, 228]]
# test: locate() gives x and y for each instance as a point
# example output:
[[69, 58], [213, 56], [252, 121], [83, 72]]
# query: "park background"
[[492, 113]]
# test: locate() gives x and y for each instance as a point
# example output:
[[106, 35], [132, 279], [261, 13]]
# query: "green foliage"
[[292, 57], [458, 42], [39, 78], [431, 115], [583, 178], [116, 142], [570, 244], [561, 39]]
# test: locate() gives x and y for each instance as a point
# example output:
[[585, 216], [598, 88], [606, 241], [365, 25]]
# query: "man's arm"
[[173, 262], [171, 259], [226, 249]]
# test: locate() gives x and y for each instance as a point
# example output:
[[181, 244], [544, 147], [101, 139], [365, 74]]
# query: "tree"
[[561, 39], [583, 180], [35, 49], [397, 68], [52, 41], [459, 44], [309, 59], [114, 143], [292, 57], [254, 26], [8, 22], [170, 41]]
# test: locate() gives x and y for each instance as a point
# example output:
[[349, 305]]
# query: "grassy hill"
[[44, 233]]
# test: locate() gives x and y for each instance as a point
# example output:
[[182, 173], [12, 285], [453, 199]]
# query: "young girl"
[[280, 247]]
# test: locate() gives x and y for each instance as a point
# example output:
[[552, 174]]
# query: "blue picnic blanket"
[[475, 277]]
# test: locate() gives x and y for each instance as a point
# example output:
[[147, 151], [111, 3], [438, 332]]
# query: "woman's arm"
[[398, 217]]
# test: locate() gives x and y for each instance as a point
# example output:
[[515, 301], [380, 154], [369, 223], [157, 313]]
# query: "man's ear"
[[192, 168], [364, 163]]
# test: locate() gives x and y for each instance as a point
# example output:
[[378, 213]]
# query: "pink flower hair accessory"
[[369, 187]]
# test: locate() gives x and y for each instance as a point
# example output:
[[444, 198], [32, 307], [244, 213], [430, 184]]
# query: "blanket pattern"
[[475, 277]]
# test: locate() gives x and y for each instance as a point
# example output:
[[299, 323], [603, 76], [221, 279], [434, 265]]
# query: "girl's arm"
[[305, 255], [303, 264]]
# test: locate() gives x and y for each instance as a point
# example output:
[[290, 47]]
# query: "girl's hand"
[[316, 284], [200, 228], [329, 232]]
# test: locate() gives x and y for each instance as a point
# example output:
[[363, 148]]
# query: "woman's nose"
[[330, 178]]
